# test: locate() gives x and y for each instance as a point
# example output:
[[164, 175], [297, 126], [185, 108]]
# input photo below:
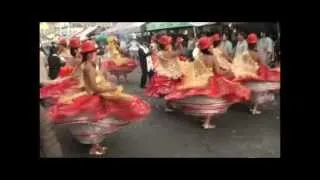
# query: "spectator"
[[191, 45], [145, 63], [43, 68], [123, 44], [55, 63], [133, 48], [242, 44], [265, 48], [226, 45]]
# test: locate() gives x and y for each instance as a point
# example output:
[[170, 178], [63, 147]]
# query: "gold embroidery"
[[168, 67], [196, 74], [244, 66]]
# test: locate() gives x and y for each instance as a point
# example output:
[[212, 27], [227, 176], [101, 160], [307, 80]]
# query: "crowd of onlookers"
[[232, 43]]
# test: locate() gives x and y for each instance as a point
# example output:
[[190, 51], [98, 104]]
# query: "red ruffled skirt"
[[160, 86], [56, 90], [268, 74], [264, 74], [218, 87], [111, 66], [96, 108]]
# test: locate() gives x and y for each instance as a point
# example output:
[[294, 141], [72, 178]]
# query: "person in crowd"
[[133, 48], [191, 45], [75, 51], [277, 52], [226, 45], [55, 63], [145, 63], [242, 44], [123, 44], [43, 67], [265, 48], [249, 68], [49, 144], [64, 52]]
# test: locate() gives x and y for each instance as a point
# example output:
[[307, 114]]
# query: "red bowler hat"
[[252, 38], [75, 42], [204, 42], [165, 40], [87, 46]]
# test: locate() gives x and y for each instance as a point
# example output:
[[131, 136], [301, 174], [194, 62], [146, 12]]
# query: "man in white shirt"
[[242, 45], [265, 48], [145, 64], [226, 45]]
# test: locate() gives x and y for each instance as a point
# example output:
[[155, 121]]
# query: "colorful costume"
[[67, 78], [258, 77], [167, 73], [202, 92], [116, 63], [93, 115]]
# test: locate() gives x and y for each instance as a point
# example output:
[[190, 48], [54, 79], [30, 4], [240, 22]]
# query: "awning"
[[125, 28], [152, 26], [169, 25], [198, 24]]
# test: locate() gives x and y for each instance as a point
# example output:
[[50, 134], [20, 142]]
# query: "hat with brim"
[[252, 38], [204, 42], [87, 47]]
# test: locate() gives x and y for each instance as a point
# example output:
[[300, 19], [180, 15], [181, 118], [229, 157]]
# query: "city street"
[[238, 133]]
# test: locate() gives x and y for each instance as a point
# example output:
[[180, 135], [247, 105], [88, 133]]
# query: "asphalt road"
[[238, 133]]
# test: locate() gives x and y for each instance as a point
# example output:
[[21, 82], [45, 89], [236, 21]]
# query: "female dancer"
[[248, 68], [64, 52], [74, 51], [167, 71], [97, 107], [205, 79], [116, 63], [219, 50]]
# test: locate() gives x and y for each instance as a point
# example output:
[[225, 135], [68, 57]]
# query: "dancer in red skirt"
[[204, 79], [167, 71], [117, 63], [96, 107], [68, 74], [250, 70]]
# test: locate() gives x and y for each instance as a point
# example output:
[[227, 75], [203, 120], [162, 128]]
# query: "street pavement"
[[238, 133]]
